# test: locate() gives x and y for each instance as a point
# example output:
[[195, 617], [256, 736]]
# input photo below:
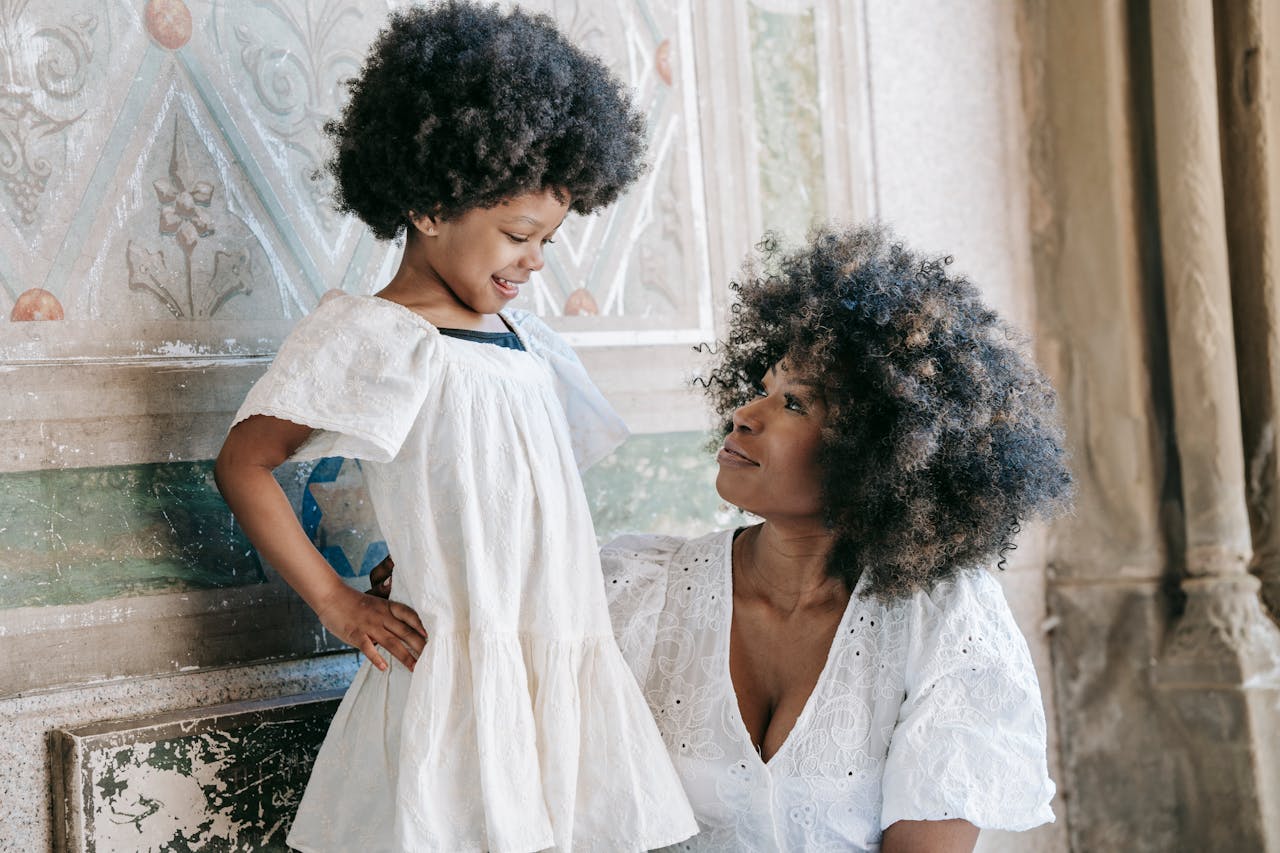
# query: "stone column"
[[1221, 668], [1250, 173], [1101, 338]]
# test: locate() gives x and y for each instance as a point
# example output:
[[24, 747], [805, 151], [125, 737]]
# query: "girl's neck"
[[419, 288], [785, 565]]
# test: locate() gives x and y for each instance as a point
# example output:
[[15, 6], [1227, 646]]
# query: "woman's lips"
[[731, 454]]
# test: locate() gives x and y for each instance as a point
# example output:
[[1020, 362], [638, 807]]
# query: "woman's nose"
[[745, 419]]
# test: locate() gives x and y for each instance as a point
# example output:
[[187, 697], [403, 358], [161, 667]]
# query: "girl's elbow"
[[222, 470]]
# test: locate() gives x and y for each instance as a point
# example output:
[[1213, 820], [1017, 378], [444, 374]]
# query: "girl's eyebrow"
[[535, 224]]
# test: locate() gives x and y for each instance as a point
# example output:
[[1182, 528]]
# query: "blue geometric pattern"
[[327, 471]]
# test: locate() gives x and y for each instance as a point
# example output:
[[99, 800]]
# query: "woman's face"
[[769, 462]]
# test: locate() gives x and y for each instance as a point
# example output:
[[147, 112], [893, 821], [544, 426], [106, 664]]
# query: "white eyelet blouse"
[[927, 708]]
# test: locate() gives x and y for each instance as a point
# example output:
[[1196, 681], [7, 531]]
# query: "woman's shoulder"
[[965, 624], [637, 555], [639, 567], [967, 591], [657, 554], [637, 573]]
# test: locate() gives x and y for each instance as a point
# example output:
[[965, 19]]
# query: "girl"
[[517, 726]]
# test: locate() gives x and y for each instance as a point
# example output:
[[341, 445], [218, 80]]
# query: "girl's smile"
[[460, 272]]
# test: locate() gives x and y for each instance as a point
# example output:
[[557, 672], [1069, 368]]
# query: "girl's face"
[[483, 256], [769, 462]]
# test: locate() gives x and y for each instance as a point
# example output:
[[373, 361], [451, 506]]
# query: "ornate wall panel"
[[164, 230], [161, 232]]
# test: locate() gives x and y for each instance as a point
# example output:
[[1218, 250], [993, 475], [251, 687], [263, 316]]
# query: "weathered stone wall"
[[1163, 655]]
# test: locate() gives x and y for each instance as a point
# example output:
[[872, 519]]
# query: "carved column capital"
[[1224, 638]]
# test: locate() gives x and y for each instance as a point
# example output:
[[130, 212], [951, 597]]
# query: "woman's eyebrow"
[[525, 218], [810, 390]]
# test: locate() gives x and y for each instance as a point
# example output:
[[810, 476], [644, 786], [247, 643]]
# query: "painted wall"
[[163, 232]]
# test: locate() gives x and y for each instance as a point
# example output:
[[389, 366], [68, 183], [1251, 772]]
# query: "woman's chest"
[[820, 787], [775, 662]]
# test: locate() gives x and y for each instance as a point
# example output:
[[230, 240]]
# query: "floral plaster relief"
[[190, 245], [184, 199]]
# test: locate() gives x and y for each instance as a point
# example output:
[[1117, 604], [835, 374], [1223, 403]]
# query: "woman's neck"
[[785, 565]]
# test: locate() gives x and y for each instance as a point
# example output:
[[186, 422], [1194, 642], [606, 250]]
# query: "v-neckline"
[[725, 668]]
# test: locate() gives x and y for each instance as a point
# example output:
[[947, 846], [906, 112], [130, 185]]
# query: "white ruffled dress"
[[928, 708], [521, 728]]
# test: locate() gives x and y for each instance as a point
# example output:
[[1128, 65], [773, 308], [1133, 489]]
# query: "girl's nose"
[[533, 259]]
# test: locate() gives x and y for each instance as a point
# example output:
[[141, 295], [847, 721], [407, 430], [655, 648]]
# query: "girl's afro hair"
[[460, 106]]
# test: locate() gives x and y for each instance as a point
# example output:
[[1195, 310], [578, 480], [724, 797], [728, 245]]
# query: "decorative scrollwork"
[[298, 84], [56, 71]]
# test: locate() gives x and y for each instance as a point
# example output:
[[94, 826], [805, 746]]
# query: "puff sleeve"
[[970, 739], [595, 429], [635, 570], [356, 370]]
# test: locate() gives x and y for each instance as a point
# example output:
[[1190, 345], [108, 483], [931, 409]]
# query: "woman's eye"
[[759, 390], [794, 404], [547, 241], [515, 238]]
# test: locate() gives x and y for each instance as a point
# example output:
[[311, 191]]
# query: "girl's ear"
[[424, 224]]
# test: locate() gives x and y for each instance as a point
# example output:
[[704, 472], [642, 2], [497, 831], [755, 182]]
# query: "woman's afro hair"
[[460, 106], [940, 436]]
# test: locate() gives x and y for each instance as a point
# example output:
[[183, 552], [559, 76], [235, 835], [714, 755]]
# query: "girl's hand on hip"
[[364, 621]]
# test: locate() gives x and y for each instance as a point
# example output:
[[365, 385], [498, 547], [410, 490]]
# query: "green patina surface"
[[229, 782], [663, 483], [71, 536], [79, 535]]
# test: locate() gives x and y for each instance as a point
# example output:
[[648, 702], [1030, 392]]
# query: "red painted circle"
[[36, 304], [662, 60], [581, 304], [169, 22]]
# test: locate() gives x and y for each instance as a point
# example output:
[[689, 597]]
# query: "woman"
[[845, 675]]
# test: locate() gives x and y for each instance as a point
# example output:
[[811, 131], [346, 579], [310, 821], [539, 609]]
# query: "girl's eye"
[[759, 391], [515, 238], [794, 404], [547, 241]]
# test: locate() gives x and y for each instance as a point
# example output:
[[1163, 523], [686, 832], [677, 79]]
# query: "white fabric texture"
[[521, 727], [927, 708]]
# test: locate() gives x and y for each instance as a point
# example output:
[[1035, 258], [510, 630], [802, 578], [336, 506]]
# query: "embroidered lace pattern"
[[927, 708], [521, 727]]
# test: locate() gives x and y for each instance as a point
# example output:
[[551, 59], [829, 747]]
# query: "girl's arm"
[[929, 836], [253, 449]]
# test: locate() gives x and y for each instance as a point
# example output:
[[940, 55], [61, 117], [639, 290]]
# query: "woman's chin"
[[730, 495]]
